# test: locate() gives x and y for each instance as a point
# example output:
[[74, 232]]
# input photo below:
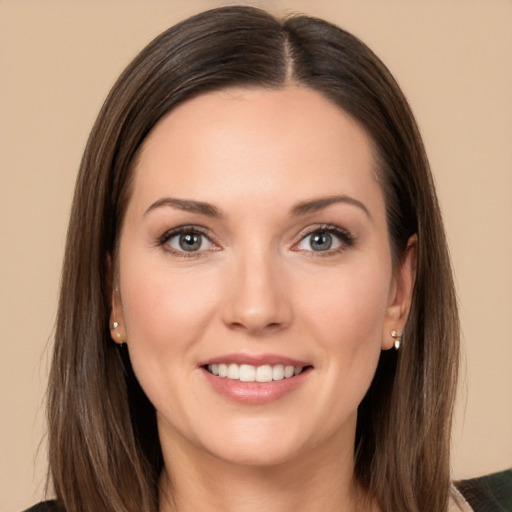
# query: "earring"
[[115, 325], [398, 339]]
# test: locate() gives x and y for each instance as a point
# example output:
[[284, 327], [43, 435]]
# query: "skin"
[[256, 286]]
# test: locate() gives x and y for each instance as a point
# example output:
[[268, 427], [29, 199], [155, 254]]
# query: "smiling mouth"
[[250, 373]]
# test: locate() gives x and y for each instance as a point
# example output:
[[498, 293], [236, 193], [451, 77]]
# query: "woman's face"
[[255, 244]]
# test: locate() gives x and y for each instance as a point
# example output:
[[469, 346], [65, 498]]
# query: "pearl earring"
[[398, 339], [115, 325]]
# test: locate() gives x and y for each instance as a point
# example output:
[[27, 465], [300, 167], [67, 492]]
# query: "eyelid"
[[185, 228]]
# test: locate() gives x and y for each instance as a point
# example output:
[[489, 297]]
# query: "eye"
[[187, 240], [325, 239], [319, 241]]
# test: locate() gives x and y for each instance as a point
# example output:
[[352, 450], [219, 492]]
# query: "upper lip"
[[255, 360]]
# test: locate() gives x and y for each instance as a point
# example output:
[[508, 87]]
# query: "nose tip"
[[257, 301], [256, 320]]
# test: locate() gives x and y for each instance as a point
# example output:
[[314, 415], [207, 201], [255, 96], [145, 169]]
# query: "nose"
[[257, 297]]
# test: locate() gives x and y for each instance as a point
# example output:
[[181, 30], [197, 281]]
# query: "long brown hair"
[[103, 443]]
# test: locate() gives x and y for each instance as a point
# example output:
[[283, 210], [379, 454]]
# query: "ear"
[[400, 294], [116, 321]]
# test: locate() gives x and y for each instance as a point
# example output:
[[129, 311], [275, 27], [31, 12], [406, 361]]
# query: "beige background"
[[59, 58]]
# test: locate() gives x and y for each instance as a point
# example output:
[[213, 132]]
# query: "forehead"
[[275, 144]]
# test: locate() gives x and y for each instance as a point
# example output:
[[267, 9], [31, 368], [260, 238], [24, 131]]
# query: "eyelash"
[[182, 230], [345, 238]]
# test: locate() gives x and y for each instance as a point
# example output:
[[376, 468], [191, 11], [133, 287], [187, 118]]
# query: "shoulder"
[[45, 506], [490, 493]]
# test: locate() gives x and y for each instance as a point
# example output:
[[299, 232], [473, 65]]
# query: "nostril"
[[255, 326]]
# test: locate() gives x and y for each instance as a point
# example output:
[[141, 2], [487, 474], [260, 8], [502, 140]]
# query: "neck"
[[321, 479]]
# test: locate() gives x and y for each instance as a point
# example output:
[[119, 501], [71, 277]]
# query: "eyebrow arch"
[[323, 202], [186, 205]]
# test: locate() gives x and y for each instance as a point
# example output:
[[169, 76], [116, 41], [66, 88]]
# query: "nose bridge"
[[256, 298]]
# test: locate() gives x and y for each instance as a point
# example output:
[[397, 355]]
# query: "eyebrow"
[[323, 202], [186, 205], [301, 208]]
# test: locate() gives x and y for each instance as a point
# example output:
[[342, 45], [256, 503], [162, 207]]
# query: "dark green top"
[[491, 493]]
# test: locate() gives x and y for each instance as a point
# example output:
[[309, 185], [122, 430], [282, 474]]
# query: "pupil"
[[321, 242], [190, 242]]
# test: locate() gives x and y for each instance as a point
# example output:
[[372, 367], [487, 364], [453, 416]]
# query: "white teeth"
[[264, 373], [288, 371], [250, 373], [247, 373], [278, 372], [233, 371]]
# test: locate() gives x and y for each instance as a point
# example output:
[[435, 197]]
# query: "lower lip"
[[255, 393]]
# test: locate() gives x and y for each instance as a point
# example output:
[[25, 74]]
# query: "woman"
[[254, 229]]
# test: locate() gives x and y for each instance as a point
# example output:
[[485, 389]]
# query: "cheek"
[[164, 310], [346, 320], [165, 313], [350, 309]]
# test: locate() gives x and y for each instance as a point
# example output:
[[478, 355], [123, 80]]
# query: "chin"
[[257, 446], [263, 456]]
